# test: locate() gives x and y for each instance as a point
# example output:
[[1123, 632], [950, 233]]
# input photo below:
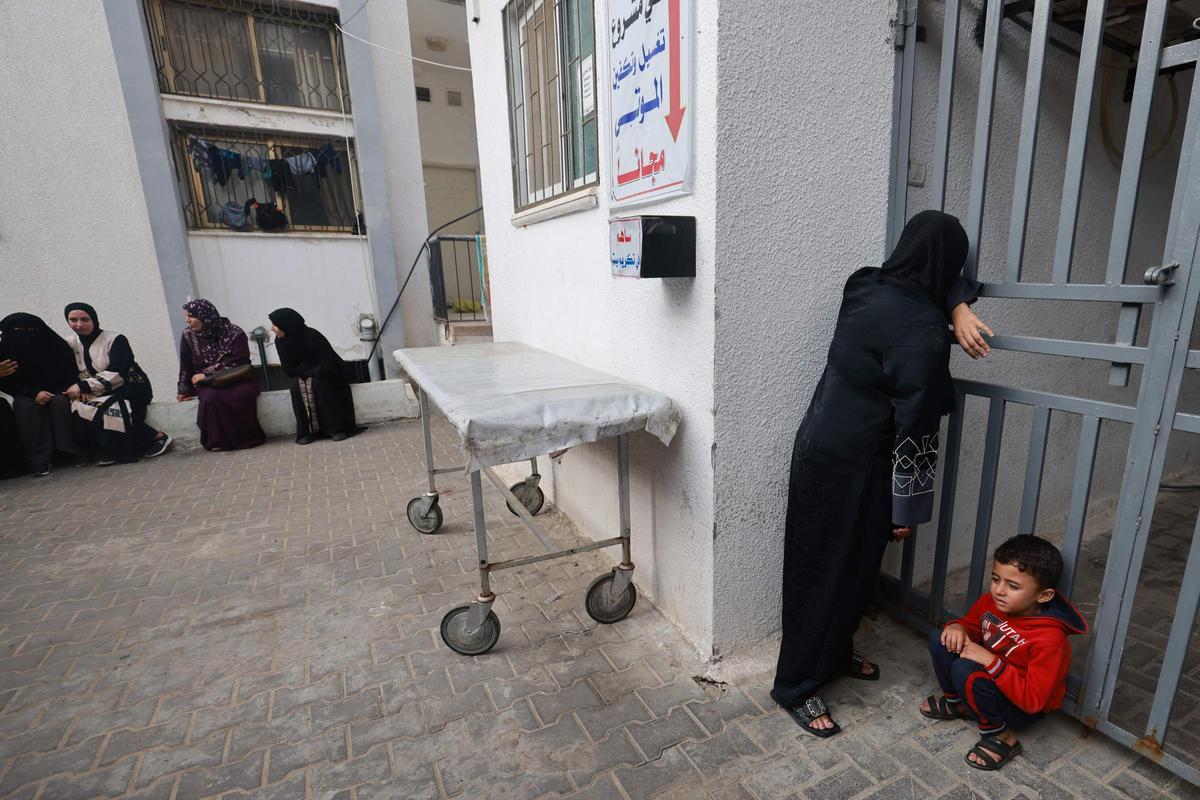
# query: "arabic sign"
[[649, 86], [625, 246]]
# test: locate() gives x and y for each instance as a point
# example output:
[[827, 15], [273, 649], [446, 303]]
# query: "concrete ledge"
[[376, 402]]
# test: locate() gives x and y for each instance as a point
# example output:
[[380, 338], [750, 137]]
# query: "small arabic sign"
[[625, 246], [649, 86]]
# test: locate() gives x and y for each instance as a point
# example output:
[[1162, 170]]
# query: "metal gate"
[[1169, 291]]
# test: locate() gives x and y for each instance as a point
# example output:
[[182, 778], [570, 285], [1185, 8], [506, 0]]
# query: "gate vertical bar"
[[941, 553], [987, 497], [945, 102], [1131, 173], [1081, 489], [983, 133], [1034, 467], [1027, 145], [1089, 57], [1174, 315], [1177, 643]]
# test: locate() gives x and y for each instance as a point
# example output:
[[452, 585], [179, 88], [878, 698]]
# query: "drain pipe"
[[368, 335], [259, 335]]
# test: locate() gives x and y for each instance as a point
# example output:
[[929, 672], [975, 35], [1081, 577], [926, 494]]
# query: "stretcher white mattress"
[[511, 402]]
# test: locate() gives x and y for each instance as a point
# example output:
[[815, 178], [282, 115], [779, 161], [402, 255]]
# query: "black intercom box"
[[653, 247]]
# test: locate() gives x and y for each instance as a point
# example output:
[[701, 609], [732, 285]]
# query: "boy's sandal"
[[856, 670], [1000, 753], [807, 712], [942, 708]]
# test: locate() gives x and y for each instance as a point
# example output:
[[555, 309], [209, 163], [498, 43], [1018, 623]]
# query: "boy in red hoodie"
[[1005, 663]]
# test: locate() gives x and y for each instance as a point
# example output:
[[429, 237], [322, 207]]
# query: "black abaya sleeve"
[[918, 382], [328, 362]]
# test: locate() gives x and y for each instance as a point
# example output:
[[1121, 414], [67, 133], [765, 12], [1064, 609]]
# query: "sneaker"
[[304, 440], [159, 446], [106, 462], [42, 470]]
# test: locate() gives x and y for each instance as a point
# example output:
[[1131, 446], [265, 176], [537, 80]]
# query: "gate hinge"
[[1161, 275], [906, 16]]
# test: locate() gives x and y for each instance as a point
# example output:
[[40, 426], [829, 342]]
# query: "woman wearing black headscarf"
[[112, 393], [321, 397], [865, 456], [45, 368]]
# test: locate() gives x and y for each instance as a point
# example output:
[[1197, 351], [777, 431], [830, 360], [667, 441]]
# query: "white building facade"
[[120, 102]]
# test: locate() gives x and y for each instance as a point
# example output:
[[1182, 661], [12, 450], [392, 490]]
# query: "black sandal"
[[807, 712], [855, 670], [944, 708], [1001, 753]]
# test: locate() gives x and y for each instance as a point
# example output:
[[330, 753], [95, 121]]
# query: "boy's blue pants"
[[964, 680]]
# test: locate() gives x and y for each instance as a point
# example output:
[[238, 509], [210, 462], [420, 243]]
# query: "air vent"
[[453, 98], [424, 95]]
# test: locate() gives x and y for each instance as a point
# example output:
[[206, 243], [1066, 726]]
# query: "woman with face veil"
[[36, 368], [865, 456], [321, 397]]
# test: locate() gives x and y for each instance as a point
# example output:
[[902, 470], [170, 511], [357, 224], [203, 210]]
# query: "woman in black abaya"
[[321, 397], [865, 456]]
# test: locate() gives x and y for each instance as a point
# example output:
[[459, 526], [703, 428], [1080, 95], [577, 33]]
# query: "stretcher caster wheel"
[[532, 497], [602, 606], [428, 522], [456, 635]]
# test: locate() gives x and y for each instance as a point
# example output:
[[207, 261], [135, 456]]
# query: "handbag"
[[228, 377]]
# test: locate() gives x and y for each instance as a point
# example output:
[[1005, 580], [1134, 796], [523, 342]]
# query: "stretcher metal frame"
[[474, 628]]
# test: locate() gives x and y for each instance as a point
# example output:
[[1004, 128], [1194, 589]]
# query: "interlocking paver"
[[263, 624]]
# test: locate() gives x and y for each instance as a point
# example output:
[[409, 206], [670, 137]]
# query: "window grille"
[[310, 203], [549, 53], [278, 53]]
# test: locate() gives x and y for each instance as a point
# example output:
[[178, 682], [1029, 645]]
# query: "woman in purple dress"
[[228, 415]]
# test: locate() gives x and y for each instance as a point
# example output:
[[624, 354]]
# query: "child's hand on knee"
[[977, 653], [954, 637]]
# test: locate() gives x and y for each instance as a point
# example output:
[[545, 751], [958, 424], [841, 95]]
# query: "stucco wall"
[[248, 275], [552, 288], [804, 135], [73, 220], [1085, 321]]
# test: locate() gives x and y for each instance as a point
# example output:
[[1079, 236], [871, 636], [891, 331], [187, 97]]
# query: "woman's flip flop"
[[807, 712], [857, 662]]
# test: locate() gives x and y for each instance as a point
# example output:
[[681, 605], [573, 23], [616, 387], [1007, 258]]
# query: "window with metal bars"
[[549, 50], [311, 202], [279, 53]]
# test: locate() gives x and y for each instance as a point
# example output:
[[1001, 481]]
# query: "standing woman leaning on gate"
[[865, 457]]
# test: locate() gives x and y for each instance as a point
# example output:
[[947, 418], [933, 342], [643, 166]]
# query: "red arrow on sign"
[[675, 116]]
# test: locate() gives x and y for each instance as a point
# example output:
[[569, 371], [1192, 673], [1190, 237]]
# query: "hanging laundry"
[[302, 164], [323, 155], [257, 164], [282, 179], [237, 216], [224, 164], [198, 149]]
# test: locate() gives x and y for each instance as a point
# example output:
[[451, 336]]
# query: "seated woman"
[[44, 368], [12, 457], [112, 393], [321, 398], [212, 345]]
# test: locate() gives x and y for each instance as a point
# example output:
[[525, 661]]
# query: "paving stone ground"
[[263, 624]]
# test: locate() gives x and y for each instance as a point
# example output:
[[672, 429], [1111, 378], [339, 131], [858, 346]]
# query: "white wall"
[[1085, 321], [552, 288], [248, 275], [73, 220], [804, 134], [447, 132]]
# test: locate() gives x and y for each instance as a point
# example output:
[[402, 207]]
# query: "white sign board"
[[649, 87], [625, 247]]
